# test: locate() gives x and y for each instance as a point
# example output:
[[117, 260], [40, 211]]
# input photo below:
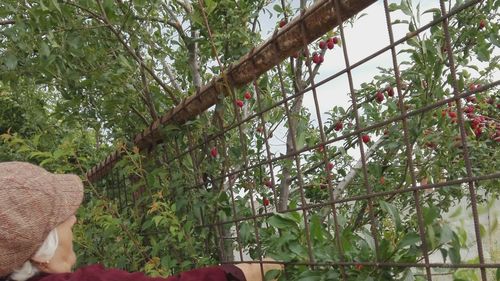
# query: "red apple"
[[329, 166], [265, 201], [365, 138], [330, 45], [213, 152], [379, 97], [339, 126], [390, 91], [268, 183], [469, 109], [382, 180], [482, 24]]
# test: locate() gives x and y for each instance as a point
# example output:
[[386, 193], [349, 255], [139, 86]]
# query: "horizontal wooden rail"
[[312, 24]]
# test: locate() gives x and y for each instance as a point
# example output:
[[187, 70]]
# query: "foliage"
[[80, 78]]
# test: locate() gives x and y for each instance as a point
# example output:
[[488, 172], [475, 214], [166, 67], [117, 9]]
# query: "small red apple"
[[478, 131], [268, 183], [317, 58], [365, 138], [330, 45], [482, 24], [247, 95], [329, 166], [265, 201], [321, 148], [282, 23], [322, 44], [239, 103], [469, 109], [471, 99], [430, 144], [213, 152], [390, 91], [379, 97], [339, 126]]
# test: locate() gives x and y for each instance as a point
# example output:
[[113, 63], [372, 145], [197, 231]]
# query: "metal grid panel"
[[241, 182]]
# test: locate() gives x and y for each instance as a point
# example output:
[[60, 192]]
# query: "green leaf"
[[483, 54], [10, 61], [278, 8], [409, 239], [281, 222], [446, 234], [430, 214], [245, 232], [433, 10], [272, 274], [498, 274], [392, 211], [56, 5], [405, 8], [316, 227], [454, 253], [310, 276], [211, 5], [44, 49]]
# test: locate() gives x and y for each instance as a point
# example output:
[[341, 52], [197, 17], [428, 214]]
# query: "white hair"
[[44, 253]]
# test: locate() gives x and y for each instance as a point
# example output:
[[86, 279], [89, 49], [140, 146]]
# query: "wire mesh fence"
[[357, 192]]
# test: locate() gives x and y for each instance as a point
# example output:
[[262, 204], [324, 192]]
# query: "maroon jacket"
[[99, 273]]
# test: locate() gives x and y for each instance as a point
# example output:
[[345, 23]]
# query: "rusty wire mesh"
[[243, 184]]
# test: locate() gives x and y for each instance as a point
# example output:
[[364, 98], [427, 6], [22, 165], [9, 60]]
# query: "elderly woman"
[[36, 239]]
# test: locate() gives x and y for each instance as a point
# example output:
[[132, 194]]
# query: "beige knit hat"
[[32, 203]]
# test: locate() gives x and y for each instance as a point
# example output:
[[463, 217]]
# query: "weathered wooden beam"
[[312, 24]]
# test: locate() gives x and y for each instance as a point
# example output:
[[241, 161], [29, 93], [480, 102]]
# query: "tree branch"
[[140, 115], [132, 53], [6, 22]]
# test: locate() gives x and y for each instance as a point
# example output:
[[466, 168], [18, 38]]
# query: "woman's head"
[[33, 203]]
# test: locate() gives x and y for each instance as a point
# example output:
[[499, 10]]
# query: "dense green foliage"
[[78, 80]]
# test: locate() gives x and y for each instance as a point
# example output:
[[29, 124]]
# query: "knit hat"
[[32, 203]]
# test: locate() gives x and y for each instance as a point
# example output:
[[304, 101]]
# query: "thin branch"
[[146, 93], [170, 75], [188, 8], [132, 53], [6, 22], [175, 23], [140, 115]]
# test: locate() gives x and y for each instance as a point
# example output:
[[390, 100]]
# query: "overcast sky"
[[368, 35]]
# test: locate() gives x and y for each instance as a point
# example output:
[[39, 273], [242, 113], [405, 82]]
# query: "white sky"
[[368, 35]]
